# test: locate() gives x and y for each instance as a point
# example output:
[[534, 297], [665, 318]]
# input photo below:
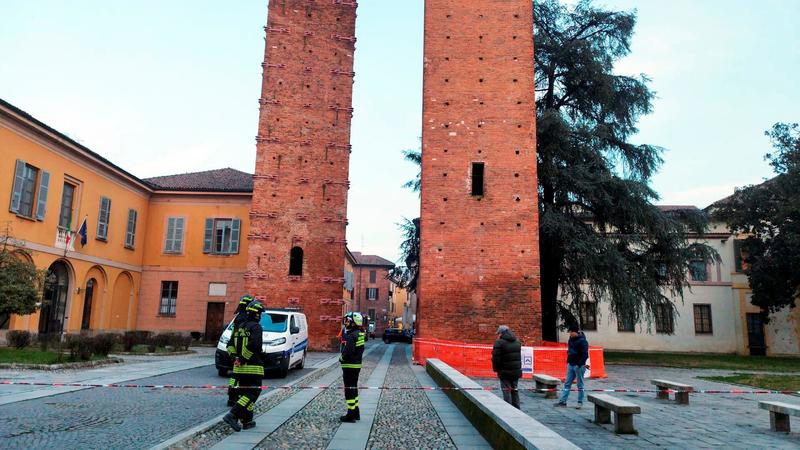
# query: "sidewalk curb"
[[205, 426]]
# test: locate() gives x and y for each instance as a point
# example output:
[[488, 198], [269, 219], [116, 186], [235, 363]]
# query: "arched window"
[[296, 261]]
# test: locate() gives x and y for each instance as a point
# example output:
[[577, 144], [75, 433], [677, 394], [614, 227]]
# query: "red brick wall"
[[301, 177], [381, 305], [479, 255], [193, 298]]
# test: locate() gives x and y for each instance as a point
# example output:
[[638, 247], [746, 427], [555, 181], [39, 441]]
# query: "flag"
[[82, 232]]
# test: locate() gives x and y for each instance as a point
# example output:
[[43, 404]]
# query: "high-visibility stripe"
[[351, 366], [249, 369], [351, 407], [232, 382], [243, 401]]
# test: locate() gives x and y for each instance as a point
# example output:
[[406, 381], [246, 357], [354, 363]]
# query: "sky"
[[163, 87]]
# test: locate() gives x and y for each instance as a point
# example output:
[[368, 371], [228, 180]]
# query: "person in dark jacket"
[[577, 356], [248, 367], [507, 362], [353, 339], [238, 319]]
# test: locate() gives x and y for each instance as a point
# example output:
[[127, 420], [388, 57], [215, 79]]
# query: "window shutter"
[[102, 217], [170, 237], [208, 236], [177, 243], [130, 236], [19, 180], [44, 185], [376, 294], [235, 226]]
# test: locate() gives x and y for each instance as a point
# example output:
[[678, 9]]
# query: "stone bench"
[[501, 424], [779, 413], [623, 410], [681, 390], [547, 383]]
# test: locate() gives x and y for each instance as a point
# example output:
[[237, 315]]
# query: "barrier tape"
[[387, 388]]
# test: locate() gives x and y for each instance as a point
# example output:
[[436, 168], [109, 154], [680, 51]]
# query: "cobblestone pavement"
[[121, 418], [406, 418], [709, 421], [314, 426]]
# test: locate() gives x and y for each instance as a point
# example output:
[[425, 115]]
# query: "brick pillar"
[[303, 151], [479, 253]]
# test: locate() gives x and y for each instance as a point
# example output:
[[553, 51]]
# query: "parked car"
[[397, 335], [285, 342]]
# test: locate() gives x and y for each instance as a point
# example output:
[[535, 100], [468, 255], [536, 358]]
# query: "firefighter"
[[352, 349], [247, 367], [238, 318]]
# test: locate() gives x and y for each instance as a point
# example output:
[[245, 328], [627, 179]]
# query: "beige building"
[[714, 316]]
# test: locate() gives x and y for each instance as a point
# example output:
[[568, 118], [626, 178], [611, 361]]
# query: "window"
[[169, 298], [626, 324], [664, 322], [373, 276], [23, 199], [103, 217], [174, 238], [130, 232], [702, 319], [221, 236], [372, 293], [698, 270], [67, 197], [738, 255], [296, 262], [588, 314], [477, 179]]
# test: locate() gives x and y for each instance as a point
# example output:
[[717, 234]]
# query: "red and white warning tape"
[[383, 388]]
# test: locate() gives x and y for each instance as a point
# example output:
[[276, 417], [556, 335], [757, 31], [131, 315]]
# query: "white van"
[[285, 342]]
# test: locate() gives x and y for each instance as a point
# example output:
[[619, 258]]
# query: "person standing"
[[507, 363], [577, 355], [238, 319], [247, 367], [352, 349]]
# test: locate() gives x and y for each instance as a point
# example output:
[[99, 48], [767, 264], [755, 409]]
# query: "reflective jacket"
[[247, 347], [352, 348]]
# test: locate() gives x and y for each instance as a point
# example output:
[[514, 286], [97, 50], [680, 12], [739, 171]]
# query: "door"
[[54, 300], [87, 305], [294, 339], [215, 320], [755, 334]]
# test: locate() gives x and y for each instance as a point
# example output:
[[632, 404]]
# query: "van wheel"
[[302, 363], [222, 372], [283, 371]]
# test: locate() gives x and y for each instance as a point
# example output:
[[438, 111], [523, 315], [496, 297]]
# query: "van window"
[[293, 324], [273, 322]]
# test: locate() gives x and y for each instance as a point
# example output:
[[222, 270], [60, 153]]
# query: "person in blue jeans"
[[577, 355]]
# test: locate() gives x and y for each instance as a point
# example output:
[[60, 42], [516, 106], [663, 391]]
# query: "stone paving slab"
[[710, 420]]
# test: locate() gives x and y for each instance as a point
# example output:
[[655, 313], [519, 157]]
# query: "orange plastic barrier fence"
[[475, 360]]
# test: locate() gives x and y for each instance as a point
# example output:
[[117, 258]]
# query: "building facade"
[[372, 288], [479, 252], [714, 316]]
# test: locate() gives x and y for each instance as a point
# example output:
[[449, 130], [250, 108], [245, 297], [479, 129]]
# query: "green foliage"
[[19, 339], [104, 343], [80, 347], [769, 216], [406, 275], [414, 156], [133, 338], [598, 225], [704, 361], [20, 284]]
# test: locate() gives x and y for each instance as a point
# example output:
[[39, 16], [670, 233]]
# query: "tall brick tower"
[[299, 212], [479, 221]]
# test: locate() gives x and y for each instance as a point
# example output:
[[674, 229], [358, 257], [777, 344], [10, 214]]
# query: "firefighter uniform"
[[247, 369], [238, 319], [352, 350]]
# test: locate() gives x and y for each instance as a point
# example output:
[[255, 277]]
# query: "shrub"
[[104, 343], [47, 340], [80, 347], [196, 335], [152, 343], [163, 339], [133, 338], [19, 339], [181, 342]]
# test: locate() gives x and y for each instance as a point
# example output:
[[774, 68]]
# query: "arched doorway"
[[54, 300], [87, 304]]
